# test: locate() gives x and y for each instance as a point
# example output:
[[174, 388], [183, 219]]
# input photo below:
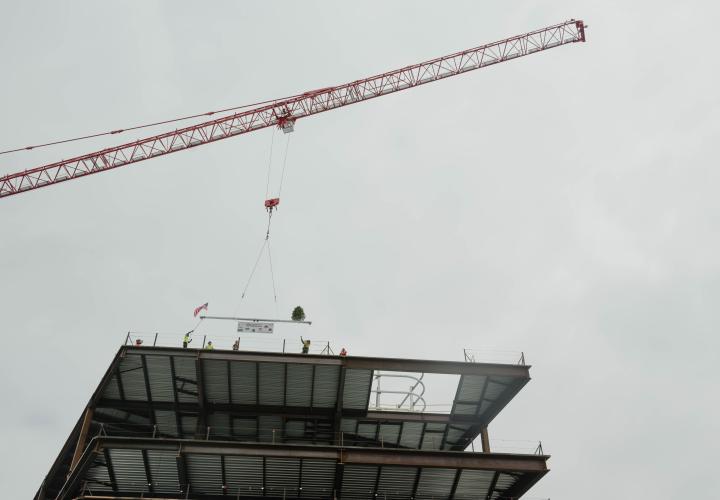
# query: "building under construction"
[[183, 423], [178, 423]]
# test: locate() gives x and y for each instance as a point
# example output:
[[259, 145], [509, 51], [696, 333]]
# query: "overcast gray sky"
[[564, 204]]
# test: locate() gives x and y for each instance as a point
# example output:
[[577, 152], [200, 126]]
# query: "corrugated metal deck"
[[292, 398], [255, 397], [155, 468]]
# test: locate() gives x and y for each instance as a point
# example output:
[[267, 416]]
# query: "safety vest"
[[210, 347], [186, 338]]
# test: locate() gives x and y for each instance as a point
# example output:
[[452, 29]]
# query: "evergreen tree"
[[298, 314]]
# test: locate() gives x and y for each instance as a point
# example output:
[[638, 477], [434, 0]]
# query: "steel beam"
[[339, 395], [75, 478], [110, 468], [256, 320], [339, 471], [422, 436], [82, 437], [264, 476], [148, 474], [201, 426], [285, 386], [146, 376], [358, 362], [257, 384], [290, 411], [176, 400], [168, 496], [370, 456], [312, 384], [416, 484], [249, 356], [527, 468], [223, 476], [377, 481], [229, 382], [493, 483], [434, 366], [453, 489], [182, 472], [111, 372], [118, 378]]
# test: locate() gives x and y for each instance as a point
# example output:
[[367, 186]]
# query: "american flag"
[[200, 308]]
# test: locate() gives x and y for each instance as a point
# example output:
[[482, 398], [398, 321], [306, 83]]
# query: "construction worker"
[[138, 342], [236, 345], [343, 352], [187, 339], [306, 345], [209, 346]]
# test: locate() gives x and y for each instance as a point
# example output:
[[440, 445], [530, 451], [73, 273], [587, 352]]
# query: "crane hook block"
[[272, 203], [286, 124]]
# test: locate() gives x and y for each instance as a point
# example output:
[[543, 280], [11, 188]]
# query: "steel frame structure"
[[357, 362], [95, 420], [284, 113], [528, 468]]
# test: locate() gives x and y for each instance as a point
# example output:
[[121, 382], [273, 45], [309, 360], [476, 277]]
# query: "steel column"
[[485, 440]]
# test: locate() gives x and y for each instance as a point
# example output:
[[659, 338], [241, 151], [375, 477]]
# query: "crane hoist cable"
[[272, 273], [254, 268], [271, 205], [282, 175], [269, 170]]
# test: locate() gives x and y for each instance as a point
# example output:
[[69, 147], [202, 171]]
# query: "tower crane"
[[285, 112]]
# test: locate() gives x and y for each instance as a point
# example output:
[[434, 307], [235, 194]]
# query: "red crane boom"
[[283, 113]]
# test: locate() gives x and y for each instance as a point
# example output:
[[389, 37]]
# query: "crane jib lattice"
[[284, 112]]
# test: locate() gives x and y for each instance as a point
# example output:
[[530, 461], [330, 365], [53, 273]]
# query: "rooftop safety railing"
[[494, 356], [227, 342], [412, 398], [270, 343], [289, 435], [513, 446]]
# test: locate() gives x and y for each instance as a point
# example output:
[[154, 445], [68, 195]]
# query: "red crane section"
[[285, 112]]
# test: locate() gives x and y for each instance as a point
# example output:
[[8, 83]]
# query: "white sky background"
[[564, 204]]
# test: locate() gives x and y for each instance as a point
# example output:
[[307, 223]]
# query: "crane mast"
[[284, 113]]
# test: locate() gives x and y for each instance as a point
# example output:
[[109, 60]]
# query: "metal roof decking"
[[256, 397], [209, 470], [220, 379], [252, 396]]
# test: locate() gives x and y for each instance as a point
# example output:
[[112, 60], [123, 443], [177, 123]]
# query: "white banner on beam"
[[255, 327]]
